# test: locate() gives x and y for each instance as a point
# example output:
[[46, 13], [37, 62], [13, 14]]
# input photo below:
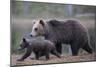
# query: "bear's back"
[[41, 44], [56, 23], [65, 31]]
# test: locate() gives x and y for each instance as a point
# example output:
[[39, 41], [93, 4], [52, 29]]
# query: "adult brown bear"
[[68, 32]]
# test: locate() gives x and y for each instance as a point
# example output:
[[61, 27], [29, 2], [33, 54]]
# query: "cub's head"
[[24, 43], [38, 28]]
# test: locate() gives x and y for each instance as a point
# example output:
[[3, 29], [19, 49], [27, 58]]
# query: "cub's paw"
[[32, 58], [59, 56]]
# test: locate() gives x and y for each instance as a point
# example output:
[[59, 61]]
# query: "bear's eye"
[[35, 29]]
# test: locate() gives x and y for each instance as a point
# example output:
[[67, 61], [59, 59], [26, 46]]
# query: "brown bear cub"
[[39, 46]]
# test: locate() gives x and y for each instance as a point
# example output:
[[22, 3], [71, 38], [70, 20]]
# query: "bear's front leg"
[[37, 55], [54, 52], [28, 52], [47, 55], [59, 48]]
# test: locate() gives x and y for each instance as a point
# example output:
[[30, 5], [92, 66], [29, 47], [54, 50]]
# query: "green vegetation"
[[92, 33], [15, 40], [36, 10]]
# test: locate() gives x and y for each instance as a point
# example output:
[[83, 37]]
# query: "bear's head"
[[38, 28], [24, 43]]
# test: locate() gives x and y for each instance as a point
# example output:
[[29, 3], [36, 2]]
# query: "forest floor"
[[53, 59]]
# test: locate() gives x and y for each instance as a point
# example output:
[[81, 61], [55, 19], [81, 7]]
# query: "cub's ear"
[[42, 22], [24, 40]]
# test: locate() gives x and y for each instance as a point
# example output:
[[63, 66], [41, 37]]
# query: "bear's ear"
[[54, 23], [24, 40], [42, 22]]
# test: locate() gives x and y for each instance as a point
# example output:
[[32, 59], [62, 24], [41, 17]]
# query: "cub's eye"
[[35, 29]]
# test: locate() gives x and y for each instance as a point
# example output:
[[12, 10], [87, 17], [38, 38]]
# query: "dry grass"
[[53, 59]]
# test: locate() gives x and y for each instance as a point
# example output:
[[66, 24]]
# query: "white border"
[[4, 33]]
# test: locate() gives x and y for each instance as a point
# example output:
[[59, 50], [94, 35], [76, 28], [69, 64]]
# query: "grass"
[[15, 40]]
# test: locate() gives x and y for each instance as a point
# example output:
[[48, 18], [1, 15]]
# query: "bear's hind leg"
[[87, 48], [75, 49]]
